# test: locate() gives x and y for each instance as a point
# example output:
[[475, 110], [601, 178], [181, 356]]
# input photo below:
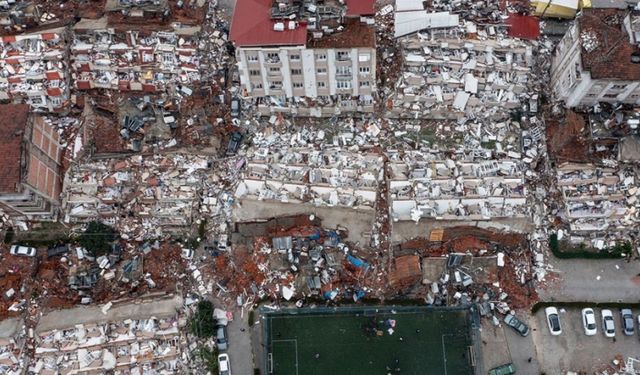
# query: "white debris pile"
[[101, 348]]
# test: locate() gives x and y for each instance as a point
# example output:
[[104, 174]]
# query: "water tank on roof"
[[292, 25], [278, 26]]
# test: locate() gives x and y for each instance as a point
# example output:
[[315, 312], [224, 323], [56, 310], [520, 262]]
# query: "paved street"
[[598, 280], [240, 351], [573, 350]]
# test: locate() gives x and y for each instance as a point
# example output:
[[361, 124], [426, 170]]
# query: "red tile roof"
[[525, 27], [611, 55], [13, 120], [252, 26], [360, 7]]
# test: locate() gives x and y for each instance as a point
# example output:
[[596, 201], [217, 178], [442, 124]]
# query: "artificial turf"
[[425, 342]]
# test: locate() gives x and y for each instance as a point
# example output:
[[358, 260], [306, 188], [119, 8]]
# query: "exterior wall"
[[338, 79], [575, 86]]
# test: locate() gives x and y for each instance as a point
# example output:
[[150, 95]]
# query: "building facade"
[[301, 67], [31, 174], [598, 60]]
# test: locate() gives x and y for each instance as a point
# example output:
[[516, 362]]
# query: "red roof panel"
[[252, 26], [360, 7], [525, 27]]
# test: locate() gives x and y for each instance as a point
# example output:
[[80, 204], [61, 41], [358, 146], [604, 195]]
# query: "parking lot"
[[575, 351]]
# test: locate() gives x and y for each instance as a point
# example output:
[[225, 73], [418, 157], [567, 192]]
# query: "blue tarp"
[[357, 262]]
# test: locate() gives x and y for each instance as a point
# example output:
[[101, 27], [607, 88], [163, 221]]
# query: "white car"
[[553, 320], [224, 366], [608, 326], [187, 253], [589, 322], [24, 251]]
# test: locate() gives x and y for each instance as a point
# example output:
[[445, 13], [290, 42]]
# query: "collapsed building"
[[18, 15], [103, 342], [30, 174], [305, 57], [33, 69], [142, 196], [422, 185], [456, 68], [323, 178], [125, 57]]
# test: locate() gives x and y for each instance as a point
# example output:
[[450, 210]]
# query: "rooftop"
[[606, 49], [12, 125], [252, 26]]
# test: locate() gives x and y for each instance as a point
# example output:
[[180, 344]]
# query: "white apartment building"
[[598, 59], [304, 68]]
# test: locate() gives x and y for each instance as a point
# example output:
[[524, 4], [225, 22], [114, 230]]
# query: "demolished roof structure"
[[34, 69], [322, 178]]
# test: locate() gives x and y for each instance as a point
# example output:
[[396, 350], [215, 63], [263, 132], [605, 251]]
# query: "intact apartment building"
[[30, 172], [598, 59], [305, 57]]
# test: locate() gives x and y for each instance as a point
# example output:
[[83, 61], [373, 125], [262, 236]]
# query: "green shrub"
[[202, 323], [8, 235], [97, 238], [582, 251]]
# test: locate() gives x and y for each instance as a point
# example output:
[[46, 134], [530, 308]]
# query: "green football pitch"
[[427, 342]]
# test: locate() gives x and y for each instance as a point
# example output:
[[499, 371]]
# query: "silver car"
[[24, 251]]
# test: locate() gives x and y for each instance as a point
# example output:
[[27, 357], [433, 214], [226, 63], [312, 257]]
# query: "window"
[[343, 84], [252, 58], [619, 87], [322, 56], [365, 70], [322, 84], [611, 96], [297, 85], [365, 84], [321, 70], [343, 55], [256, 86], [294, 57], [273, 57], [56, 101], [167, 58], [366, 100], [296, 72], [254, 72], [364, 57], [343, 70], [275, 85]]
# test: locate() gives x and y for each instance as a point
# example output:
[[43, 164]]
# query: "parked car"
[[234, 142], [24, 251], [221, 337], [235, 107], [507, 369], [224, 365], [589, 322], [553, 320], [626, 318], [515, 323], [187, 253], [57, 250], [608, 327]]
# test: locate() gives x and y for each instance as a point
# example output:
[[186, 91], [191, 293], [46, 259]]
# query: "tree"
[[202, 323], [97, 238]]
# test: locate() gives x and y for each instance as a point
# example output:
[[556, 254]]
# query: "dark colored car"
[[234, 142], [222, 340], [57, 250], [517, 324], [626, 316]]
